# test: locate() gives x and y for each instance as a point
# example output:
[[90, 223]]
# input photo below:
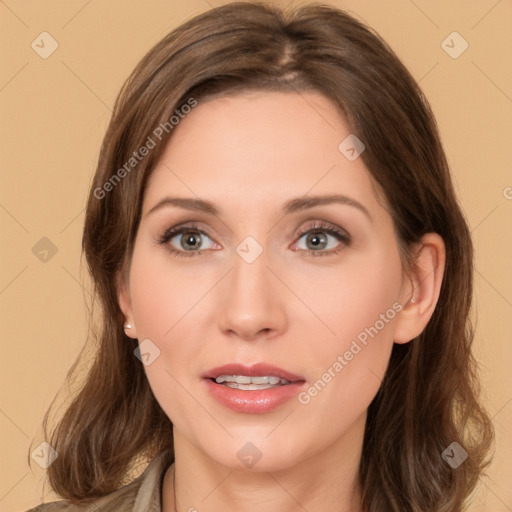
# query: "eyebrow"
[[291, 206]]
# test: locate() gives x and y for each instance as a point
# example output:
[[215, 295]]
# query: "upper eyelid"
[[322, 225], [192, 225]]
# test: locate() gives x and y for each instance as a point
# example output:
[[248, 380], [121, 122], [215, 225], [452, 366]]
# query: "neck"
[[326, 481]]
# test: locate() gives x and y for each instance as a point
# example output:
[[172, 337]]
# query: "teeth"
[[249, 387], [250, 383]]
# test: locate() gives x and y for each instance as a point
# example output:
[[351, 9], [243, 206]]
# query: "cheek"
[[163, 299], [348, 366], [356, 294], [161, 294]]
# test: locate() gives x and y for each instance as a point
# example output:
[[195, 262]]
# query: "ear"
[[421, 292], [125, 303]]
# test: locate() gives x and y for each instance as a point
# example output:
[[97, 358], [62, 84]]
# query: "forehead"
[[259, 148]]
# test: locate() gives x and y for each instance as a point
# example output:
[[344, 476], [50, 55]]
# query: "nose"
[[252, 303]]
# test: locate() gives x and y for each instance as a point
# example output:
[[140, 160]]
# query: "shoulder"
[[122, 500], [143, 494]]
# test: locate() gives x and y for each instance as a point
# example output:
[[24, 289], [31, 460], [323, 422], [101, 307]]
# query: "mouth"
[[263, 375], [252, 389], [247, 383]]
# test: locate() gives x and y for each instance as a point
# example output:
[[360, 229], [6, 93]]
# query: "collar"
[[149, 495]]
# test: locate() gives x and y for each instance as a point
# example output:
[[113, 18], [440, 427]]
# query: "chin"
[[258, 454]]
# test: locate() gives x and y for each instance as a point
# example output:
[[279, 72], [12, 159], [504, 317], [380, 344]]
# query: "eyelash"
[[341, 235]]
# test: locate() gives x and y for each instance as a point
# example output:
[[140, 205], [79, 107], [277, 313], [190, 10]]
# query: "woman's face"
[[276, 277]]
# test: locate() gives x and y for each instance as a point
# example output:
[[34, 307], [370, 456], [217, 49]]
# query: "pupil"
[[316, 239], [191, 241]]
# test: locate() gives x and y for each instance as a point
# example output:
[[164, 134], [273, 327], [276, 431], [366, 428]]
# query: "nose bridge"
[[252, 301], [250, 271]]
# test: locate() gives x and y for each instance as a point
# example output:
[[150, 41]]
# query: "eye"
[[186, 240], [189, 240], [318, 237]]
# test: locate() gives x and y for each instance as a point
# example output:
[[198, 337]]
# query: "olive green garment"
[[141, 495]]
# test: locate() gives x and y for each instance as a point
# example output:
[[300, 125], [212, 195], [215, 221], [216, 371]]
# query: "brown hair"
[[429, 396]]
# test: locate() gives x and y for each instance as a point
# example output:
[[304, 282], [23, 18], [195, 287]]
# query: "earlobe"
[[421, 294], [124, 300]]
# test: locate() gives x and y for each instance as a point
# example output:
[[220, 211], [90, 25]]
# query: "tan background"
[[54, 113]]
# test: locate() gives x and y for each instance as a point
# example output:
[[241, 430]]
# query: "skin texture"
[[249, 154]]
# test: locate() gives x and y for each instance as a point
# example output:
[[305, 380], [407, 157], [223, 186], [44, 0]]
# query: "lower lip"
[[256, 401]]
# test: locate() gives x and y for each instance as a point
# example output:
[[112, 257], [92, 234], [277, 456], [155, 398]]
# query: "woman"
[[247, 371]]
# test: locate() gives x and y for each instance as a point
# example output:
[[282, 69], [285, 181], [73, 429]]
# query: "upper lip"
[[255, 370]]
